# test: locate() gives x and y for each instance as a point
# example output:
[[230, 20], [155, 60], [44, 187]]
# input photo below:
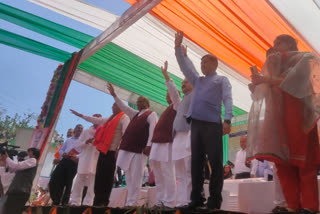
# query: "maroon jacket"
[[163, 130], [135, 138]]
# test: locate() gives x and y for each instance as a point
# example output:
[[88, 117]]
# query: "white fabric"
[[145, 176], [101, 121], [296, 12], [183, 175], [279, 199], [161, 152], [174, 94], [256, 197], [6, 178], [151, 40], [80, 182], [181, 146], [239, 164], [15, 166], [100, 84], [88, 156], [254, 166], [148, 197], [133, 174], [130, 112], [121, 127], [164, 173], [124, 159], [118, 197]]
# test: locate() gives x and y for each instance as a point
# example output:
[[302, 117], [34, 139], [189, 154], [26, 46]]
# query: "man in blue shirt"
[[62, 176], [207, 128]]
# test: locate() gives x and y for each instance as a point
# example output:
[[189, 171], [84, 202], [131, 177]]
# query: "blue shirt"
[[71, 143], [262, 166], [208, 93]]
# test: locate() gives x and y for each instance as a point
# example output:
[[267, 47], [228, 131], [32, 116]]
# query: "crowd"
[[282, 141]]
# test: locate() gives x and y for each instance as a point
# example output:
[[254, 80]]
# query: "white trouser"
[[183, 175], [164, 174], [80, 182], [134, 178], [279, 199]]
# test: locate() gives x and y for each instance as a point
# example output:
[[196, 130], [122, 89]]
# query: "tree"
[[9, 125]]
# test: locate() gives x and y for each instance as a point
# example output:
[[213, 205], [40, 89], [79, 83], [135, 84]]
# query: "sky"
[[25, 77]]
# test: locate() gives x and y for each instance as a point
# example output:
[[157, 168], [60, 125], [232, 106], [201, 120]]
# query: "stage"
[[95, 210]]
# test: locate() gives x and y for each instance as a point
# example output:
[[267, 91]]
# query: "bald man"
[[242, 168]]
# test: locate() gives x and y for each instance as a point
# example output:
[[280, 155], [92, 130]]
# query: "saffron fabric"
[[237, 32], [104, 134]]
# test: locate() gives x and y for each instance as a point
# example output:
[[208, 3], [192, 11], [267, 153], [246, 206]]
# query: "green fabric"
[[44, 26], [239, 123], [112, 63], [225, 140], [57, 92], [122, 68], [31, 46]]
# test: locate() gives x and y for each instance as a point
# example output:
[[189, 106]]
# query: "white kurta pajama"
[[164, 173], [133, 163], [87, 164], [181, 154]]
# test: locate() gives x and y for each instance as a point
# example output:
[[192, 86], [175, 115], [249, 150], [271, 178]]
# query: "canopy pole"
[[133, 14]]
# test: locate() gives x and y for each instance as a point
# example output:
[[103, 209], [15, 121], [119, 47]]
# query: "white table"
[[258, 197], [245, 195]]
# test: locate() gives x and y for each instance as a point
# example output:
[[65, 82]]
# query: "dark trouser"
[[62, 177], [14, 203], [104, 178], [242, 175], [206, 139]]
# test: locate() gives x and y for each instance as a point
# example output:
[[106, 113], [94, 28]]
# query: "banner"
[[38, 137]]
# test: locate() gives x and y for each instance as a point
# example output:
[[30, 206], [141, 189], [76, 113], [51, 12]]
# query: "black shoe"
[[281, 210], [195, 204], [305, 211], [213, 205]]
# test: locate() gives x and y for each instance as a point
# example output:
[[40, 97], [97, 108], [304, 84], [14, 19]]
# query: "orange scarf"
[[57, 154], [104, 134]]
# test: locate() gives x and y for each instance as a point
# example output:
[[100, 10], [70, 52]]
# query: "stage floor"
[[138, 210]]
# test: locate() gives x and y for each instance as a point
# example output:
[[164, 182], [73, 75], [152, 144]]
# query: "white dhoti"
[[164, 173], [279, 199], [181, 154], [80, 182], [133, 165]]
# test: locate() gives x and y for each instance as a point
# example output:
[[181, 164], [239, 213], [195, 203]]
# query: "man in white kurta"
[[181, 149], [86, 171], [114, 126], [242, 168], [133, 163], [161, 154]]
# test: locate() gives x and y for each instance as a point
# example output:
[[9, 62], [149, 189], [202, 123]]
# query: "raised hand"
[[111, 89], [257, 79], [184, 50], [164, 71], [178, 39], [76, 113]]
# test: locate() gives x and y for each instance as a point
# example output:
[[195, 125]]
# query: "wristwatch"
[[227, 121]]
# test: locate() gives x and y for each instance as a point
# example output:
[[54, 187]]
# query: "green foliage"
[[9, 125]]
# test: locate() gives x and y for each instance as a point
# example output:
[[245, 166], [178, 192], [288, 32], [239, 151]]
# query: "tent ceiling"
[[151, 40], [237, 32], [304, 16], [112, 63]]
